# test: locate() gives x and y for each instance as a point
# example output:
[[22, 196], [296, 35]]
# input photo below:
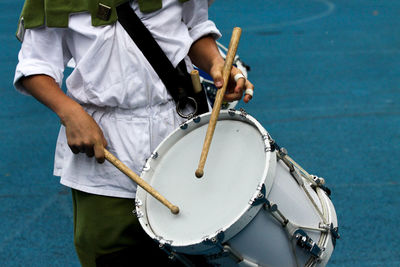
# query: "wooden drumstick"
[[139, 181], [218, 99], [194, 74]]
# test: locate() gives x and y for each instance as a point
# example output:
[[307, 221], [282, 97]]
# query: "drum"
[[254, 206]]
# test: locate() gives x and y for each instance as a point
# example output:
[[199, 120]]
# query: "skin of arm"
[[83, 133], [204, 54]]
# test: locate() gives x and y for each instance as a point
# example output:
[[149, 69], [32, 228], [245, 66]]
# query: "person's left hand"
[[237, 84]]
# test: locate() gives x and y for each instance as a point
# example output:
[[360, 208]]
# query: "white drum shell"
[[251, 231]]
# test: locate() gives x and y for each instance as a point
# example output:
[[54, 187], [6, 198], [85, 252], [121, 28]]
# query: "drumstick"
[[218, 99], [139, 181], [194, 74]]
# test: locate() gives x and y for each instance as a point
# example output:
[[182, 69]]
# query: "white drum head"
[[238, 163]]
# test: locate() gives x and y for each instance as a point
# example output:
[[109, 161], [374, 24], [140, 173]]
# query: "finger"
[[99, 152], [249, 92], [240, 83], [216, 74], [74, 149], [232, 96], [89, 152], [247, 98]]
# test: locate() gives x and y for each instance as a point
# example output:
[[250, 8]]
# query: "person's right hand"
[[84, 135]]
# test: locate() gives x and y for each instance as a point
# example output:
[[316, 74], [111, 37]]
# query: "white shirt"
[[116, 85]]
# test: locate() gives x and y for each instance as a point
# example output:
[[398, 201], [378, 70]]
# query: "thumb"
[[216, 74]]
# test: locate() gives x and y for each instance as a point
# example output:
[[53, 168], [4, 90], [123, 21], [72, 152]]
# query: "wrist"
[[68, 111]]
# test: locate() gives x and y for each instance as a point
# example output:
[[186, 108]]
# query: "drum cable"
[[291, 164]]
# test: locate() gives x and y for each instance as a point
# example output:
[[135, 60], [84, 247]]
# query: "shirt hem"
[[98, 191]]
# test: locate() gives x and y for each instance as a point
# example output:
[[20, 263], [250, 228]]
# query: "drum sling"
[[176, 80]]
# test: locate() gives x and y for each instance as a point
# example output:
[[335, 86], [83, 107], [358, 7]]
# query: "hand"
[[83, 134], [235, 89], [204, 54]]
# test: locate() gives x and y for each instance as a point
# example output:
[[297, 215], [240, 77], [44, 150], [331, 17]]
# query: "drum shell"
[[254, 233], [264, 242], [247, 211]]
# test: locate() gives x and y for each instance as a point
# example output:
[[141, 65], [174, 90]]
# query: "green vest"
[[55, 13]]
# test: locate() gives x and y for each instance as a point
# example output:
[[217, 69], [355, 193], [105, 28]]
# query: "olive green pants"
[[106, 226]]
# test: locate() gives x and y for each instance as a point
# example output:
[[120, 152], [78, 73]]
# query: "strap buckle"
[[182, 103]]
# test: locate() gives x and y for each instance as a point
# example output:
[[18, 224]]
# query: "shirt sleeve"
[[195, 16], [43, 51]]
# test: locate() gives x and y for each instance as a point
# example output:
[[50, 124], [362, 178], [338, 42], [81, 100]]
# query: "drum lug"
[[215, 240], [154, 155], [269, 143], [335, 234], [305, 242], [234, 255], [333, 230], [282, 153], [227, 251], [320, 182], [260, 198], [243, 112], [197, 119], [137, 212], [184, 126], [172, 255]]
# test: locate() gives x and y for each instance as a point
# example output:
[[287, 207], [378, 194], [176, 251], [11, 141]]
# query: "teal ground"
[[327, 79]]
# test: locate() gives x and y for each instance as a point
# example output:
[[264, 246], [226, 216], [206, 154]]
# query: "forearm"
[[204, 54], [46, 90], [83, 133]]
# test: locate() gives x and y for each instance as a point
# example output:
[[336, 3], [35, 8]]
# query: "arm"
[[204, 54], [83, 133]]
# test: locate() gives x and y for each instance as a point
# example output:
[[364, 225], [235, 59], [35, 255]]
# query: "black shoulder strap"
[[174, 80]]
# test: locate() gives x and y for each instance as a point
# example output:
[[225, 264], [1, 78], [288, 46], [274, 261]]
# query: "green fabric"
[[105, 225], [55, 13], [99, 223]]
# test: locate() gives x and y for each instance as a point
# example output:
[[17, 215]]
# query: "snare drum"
[[254, 206]]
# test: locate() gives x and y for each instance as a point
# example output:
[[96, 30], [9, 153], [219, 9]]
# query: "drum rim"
[[249, 211]]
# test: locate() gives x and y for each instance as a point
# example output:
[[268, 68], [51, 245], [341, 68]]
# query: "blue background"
[[327, 88]]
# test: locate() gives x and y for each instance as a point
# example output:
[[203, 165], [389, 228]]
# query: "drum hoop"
[[248, 212]]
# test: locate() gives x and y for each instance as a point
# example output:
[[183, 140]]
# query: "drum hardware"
[[173, 256], [234, 255], [232, 112], [181, 104], [274, 203], [293, 230], [269, 143], [319, 182], [184, 126], [137, 212], [282, 153], [243, 112], [184, 260], [196, 119], [335, 233], [228, 251], [215, 240], [154, 155], [305, 242]]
